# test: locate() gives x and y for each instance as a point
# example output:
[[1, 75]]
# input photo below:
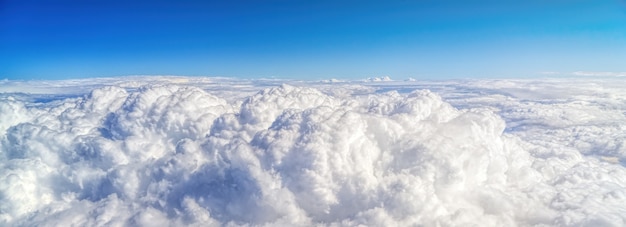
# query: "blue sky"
[[322, 39]]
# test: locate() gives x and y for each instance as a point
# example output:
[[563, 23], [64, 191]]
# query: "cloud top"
[[296, 155]]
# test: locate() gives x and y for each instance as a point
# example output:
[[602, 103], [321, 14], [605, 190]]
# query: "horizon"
[[367, 79]]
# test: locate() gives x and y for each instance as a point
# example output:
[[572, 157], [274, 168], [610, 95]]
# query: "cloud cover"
[[481, 153]]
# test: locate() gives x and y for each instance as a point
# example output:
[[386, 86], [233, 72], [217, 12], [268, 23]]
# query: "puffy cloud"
[[378, 79], [495, 153]]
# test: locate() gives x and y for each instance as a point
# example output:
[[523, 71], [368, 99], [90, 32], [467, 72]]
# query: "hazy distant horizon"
[[544, 75]]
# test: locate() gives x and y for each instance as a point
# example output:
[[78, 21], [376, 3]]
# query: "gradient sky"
[[322, 39]]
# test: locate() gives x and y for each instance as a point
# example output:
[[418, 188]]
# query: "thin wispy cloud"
[[599, 74]]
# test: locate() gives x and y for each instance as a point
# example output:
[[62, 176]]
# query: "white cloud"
[[378, 79], [599, 74], [207, 151]]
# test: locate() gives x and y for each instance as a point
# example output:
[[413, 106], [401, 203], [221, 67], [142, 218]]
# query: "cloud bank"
[[599, 74], [477, 153]]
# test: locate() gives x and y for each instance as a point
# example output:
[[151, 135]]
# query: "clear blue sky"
[[321, 39]]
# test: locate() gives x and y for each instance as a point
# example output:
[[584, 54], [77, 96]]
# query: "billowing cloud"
[[192, 151]]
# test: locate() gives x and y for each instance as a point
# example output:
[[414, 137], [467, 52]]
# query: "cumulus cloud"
[[378, 79], [190, 151]]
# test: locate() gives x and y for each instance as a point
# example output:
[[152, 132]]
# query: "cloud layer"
[[175, 152]]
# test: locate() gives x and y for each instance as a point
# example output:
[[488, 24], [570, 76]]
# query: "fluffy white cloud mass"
[[170, 151]]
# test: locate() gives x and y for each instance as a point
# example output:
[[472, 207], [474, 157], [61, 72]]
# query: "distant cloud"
[[378, 79], [585, 73], [599, 74]]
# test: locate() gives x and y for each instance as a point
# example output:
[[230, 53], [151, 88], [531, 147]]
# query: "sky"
[[423, 39]]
